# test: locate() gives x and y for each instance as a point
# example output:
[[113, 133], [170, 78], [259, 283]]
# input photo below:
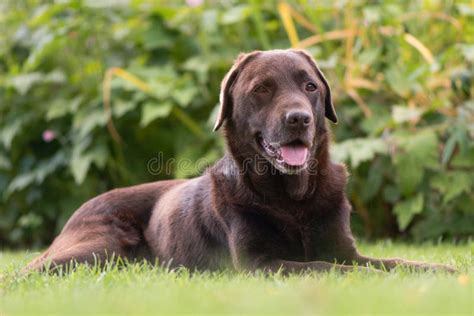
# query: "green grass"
[[140, 290]]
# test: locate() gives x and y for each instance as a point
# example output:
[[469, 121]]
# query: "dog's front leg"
[[287, 267], [253, 247], [255, 262], [392, 263], [344, 249]]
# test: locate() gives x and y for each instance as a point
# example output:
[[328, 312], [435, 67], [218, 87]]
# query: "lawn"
[[140, 290]]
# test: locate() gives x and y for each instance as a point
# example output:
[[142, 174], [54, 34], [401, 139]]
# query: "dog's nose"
[[297, 119]]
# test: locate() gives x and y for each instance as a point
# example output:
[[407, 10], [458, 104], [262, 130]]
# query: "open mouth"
[[287, 157]]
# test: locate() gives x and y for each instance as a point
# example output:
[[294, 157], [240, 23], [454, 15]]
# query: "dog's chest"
[[298, 245], [310, 235], [306, 242]]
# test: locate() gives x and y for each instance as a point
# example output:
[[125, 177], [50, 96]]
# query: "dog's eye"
[[260, 89], [311, 87]]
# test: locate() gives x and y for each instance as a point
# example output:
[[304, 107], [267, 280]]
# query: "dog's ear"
[[328, 106], [225, 97]]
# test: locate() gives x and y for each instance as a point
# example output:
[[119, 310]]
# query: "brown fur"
[[234, 215]]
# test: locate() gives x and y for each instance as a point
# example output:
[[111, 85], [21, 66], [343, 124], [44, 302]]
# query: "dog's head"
[[275, 103]]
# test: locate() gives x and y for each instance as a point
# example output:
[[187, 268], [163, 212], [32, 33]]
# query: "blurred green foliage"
[[402, 75]]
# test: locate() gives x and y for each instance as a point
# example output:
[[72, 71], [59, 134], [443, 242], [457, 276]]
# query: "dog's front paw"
[[366, 269], [437, 268]]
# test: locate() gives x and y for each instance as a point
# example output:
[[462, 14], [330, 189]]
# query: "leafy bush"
[[93, 92]]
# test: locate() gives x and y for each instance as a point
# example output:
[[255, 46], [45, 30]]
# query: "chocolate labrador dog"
[[274, 201]]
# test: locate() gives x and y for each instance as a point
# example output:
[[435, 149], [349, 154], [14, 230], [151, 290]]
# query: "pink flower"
[[49, 135], [194, 3]]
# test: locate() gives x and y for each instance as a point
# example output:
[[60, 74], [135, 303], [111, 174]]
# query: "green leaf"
[[200, 66], [20, 182], [121, 107], [9, 132], [409, 173], [375, 178], [391, 194], [358, 150], [4, 161], [407, 209], [61, 107], [452, 184], [185, 95], [401, 114], [89, 118], [372, 14], [22, 83], [57, 109], [449, 149], [30, 220], [79, 166], [14, 127], [398, 81], [236, 14], [369, 56], [463, 159], [36, 175], [46, 45], [80, 162], [99, 154], [468, 52], [377, 123], [157, 37], [153, 110], [417, 152], [47, 167]]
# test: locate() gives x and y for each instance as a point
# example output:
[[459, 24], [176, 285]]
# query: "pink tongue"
[[294, 155]]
